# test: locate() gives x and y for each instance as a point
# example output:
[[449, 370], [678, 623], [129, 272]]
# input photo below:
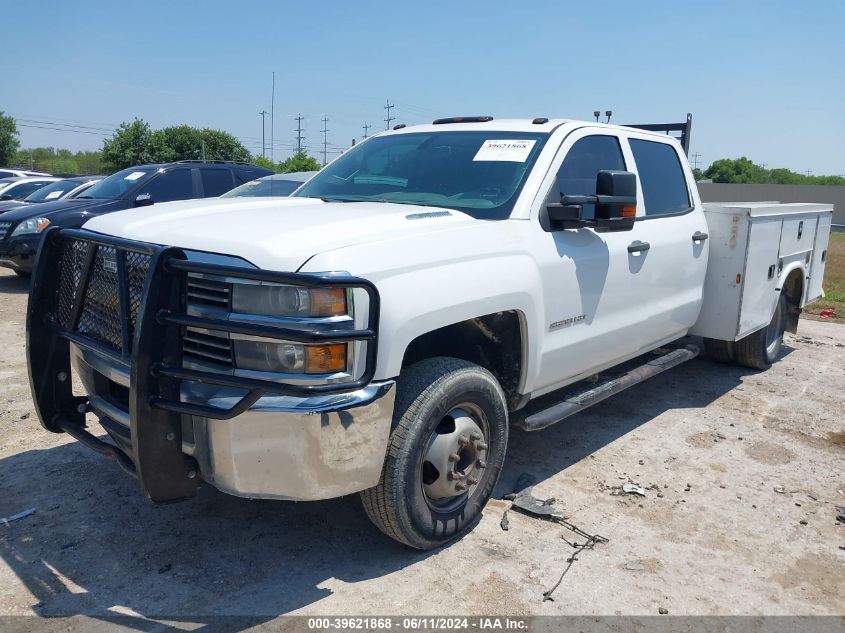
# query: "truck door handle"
[[638, 247], [698, 236]]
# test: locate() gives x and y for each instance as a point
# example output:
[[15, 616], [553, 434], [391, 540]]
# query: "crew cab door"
[[593, 287], [609, 296], [674, 225]]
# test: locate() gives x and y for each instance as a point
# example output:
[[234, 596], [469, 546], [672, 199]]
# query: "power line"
[[299, 137], [55, 119], [389, 118], [325, 130], [59, 129], [68, 125]]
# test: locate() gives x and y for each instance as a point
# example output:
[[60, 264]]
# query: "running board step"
[[580, 400]]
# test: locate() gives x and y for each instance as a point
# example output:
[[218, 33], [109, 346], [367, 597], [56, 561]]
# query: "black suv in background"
[[20, 229]]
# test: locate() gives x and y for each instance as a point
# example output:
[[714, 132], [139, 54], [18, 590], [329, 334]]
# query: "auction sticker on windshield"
[[514, 151], [134, 175]]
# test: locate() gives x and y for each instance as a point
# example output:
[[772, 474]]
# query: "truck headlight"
[[31, 226], [279, 300], [290, 358]]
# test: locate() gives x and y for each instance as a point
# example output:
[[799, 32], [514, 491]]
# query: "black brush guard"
[[148, 342]]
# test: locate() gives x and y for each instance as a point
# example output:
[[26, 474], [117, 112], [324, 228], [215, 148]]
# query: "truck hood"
[[274, 233]]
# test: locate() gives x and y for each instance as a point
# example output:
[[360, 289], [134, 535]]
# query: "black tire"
[[23, 273], [720, 351], [760, 349], [427, 391]]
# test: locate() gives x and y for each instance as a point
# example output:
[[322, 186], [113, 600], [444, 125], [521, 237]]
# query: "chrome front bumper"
[[283, 447]]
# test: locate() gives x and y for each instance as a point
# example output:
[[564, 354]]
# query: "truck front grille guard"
[[126, 301]]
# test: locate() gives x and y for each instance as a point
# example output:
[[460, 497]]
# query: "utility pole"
[[809, 172], [695, 157], [263, 146], [325, 131], [299, 137], [366, 127], [389, 118], [203, 150], [272, 116]]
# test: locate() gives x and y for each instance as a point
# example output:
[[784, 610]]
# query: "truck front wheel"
[[445, 453], [760, 349]]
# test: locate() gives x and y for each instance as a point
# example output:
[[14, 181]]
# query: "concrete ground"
[[742, 472]]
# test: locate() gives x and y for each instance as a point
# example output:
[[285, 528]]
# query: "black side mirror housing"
[[6, 196], [615, 205], [144, 200]]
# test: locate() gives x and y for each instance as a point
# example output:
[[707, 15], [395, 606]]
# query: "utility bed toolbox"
[[754, 246]]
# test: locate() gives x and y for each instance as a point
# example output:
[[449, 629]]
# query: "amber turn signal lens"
[[629, 211], [328, 302], [325, 359]]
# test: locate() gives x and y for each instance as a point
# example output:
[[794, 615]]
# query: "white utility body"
[[754, 248], [381, 329]]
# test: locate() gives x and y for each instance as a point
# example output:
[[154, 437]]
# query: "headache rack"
[[684, 128], [126, 301]]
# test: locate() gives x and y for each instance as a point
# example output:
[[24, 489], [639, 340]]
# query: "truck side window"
[[585, 159], [661, 177], [171, 185]]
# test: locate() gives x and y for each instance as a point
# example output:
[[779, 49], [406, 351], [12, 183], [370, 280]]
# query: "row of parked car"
[[32, 201]]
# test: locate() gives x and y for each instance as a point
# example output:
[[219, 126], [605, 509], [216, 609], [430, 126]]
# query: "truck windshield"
[[53, 191], [479, 173], [116, 185]]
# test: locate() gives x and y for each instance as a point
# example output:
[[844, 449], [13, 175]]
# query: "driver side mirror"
[[615, 205], [144, 200], [6, 196]]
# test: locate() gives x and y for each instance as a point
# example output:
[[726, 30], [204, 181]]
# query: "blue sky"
[[762, 79]]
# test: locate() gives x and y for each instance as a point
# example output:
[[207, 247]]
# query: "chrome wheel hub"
[[456, 455]]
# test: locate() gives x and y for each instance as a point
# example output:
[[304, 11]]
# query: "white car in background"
[[271, 186], [59, 190], [14, 188], [10, 172]]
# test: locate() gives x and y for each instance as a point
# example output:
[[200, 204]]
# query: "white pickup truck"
[[381, 330]]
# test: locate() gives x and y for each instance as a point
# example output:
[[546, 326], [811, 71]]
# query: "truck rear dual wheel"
[[446, 450], [760, 349]]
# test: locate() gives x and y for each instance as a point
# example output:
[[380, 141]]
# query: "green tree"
[[300, 161], [266, 163], [9, 142], [183, 142], [697, 174], [58, 161], [90, 163], [129, 146], [742, 170], [738, 170]]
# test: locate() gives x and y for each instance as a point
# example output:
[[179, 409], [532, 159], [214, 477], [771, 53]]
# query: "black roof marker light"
[[540, 120], [398, 126]]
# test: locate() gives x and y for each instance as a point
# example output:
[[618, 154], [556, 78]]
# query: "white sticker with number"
[[53, 195], [514, 151], [134, 175]]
